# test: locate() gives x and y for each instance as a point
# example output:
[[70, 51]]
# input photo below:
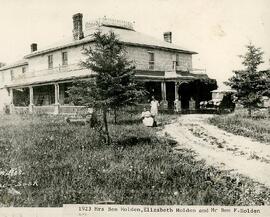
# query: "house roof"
[[15, 64], [126, 36]]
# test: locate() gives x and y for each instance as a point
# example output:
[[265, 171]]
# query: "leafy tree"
[[114, 84], [250, 84]]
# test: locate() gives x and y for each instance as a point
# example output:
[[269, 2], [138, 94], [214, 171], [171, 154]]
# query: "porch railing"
[[51, 109], [21, 110], [44, 109], [65, 109]]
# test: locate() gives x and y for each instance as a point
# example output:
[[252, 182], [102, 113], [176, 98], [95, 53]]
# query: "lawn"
[[256, 127], [46, 162]]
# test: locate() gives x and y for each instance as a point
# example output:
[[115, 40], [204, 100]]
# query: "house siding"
[[163, 59], [5, 75], [38, 65], [4, 99]]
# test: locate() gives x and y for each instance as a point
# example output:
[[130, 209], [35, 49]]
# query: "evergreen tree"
[[114, 84], [250, 84]]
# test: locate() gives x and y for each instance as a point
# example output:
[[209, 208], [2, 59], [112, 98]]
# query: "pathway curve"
[[222, 149]]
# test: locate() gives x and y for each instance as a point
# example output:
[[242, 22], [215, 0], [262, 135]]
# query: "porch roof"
[[51, 78], [169, 75], [77, 73]]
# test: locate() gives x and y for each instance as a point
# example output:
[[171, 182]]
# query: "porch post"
[[177, 102], [56, 97], [164, 101], [31, 99], [11, 107], [192, 104]]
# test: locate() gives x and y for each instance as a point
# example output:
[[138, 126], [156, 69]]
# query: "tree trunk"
[[106, 125], [249, 112], [115, 116]]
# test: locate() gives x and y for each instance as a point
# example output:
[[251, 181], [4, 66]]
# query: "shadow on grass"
[[133, 141], [129, 122]]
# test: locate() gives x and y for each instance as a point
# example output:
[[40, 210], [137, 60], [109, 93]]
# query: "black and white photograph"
[[149, 103]]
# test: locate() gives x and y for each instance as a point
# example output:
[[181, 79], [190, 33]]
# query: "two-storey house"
[[38, 83]]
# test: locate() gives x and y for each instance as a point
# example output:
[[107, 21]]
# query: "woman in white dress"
[[154, 107], [147, 118]]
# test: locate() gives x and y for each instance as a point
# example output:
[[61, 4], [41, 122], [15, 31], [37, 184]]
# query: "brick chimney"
[[33, 47], [167, 36], [77, 26]]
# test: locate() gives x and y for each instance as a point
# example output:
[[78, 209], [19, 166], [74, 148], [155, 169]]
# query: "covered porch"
[[176, 91], [51, 98], [180, 95]]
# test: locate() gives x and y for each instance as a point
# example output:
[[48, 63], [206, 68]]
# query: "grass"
[[256, 127], [59, 163]]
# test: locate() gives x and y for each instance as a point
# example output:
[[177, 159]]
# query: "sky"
[[217, 29]]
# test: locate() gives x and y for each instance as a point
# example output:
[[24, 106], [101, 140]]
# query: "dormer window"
[[151, 60], [64, 58], [50, 61]]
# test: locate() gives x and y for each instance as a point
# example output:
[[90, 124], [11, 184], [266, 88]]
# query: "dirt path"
[[222, 149]]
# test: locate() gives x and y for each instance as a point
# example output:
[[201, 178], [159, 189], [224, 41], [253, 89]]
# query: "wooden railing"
[[51, 109], [21, 110], [65, 109], [44, 109]]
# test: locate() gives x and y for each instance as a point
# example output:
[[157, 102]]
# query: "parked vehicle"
[[222, 102]]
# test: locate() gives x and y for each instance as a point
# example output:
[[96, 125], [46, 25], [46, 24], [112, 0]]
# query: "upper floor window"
[[177, 59], [11, 74], [23, 70], [64, 58], [175, 62], [50, 61], [151, 60]]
